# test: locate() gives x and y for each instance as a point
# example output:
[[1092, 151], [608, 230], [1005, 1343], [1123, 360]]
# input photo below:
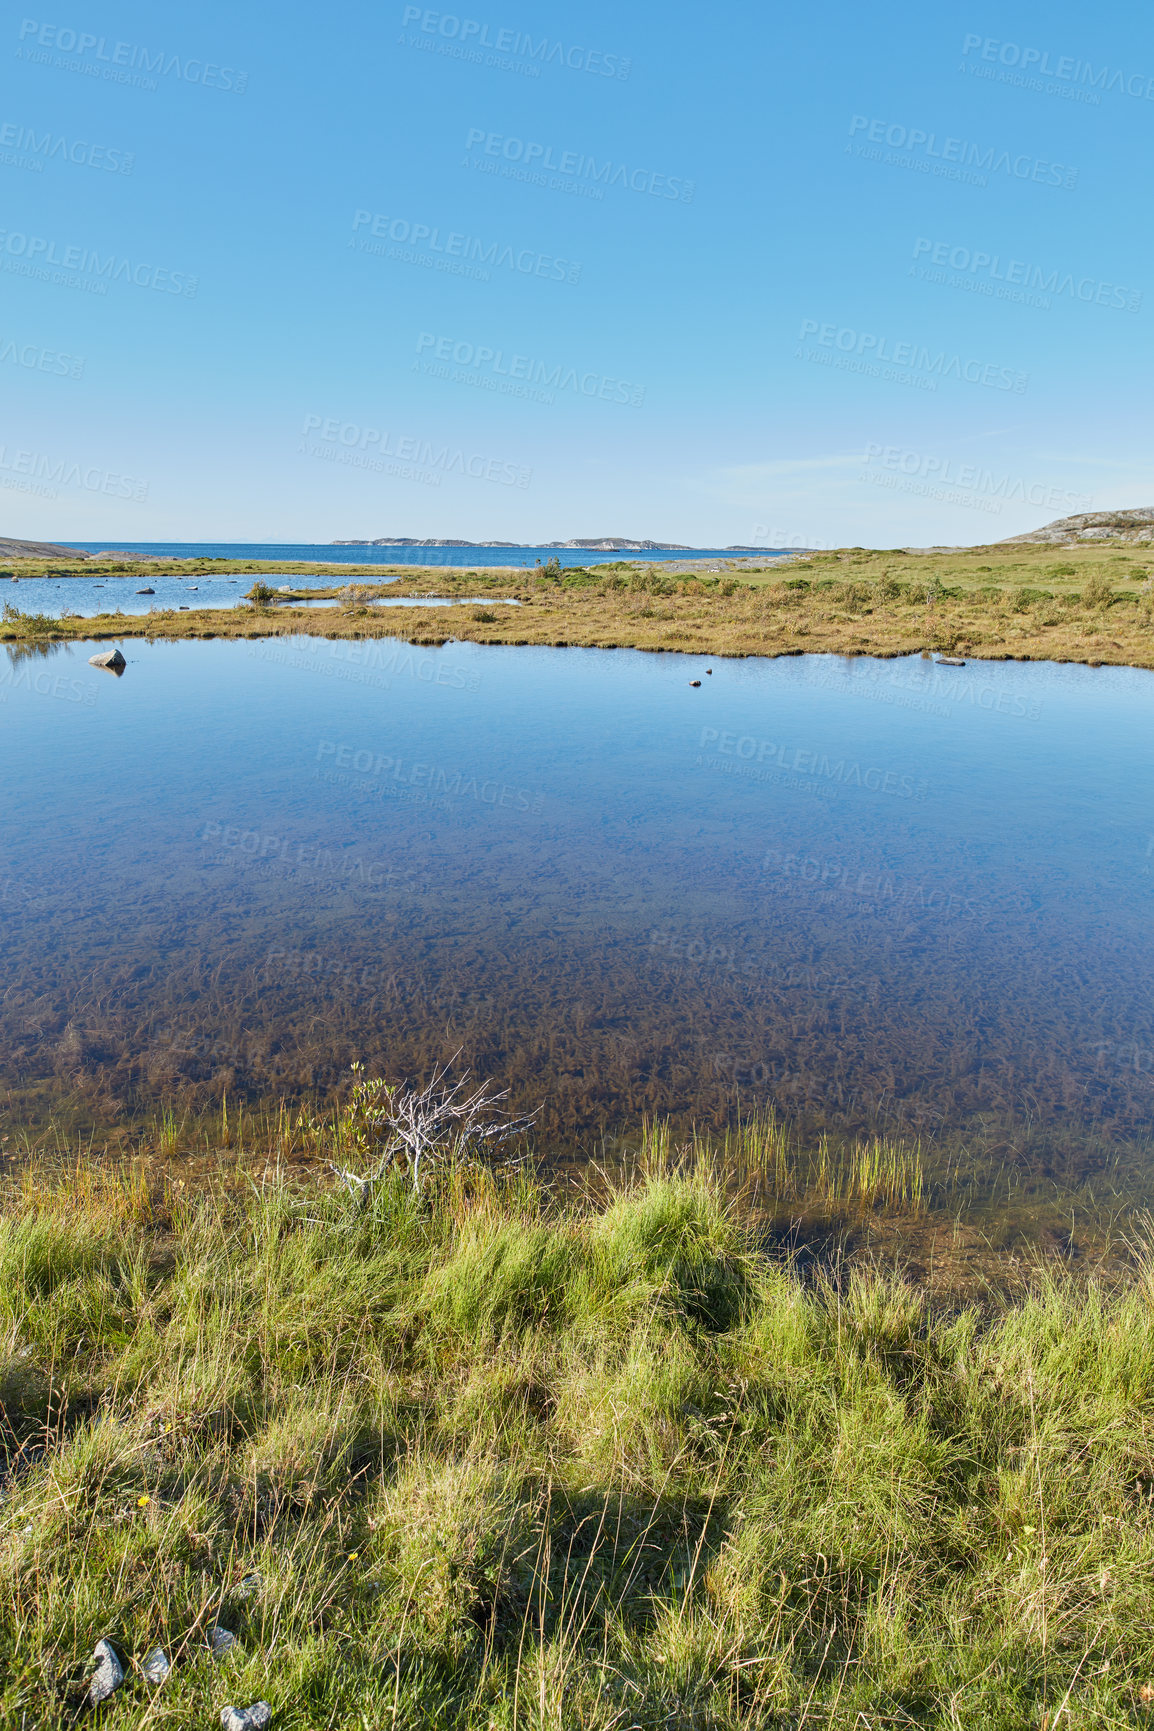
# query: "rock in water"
[[146, 591], [253, 1718], [156, 1666], [108, 1675], [110, 658]]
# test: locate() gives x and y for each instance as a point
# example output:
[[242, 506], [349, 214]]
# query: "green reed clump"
[[480, 1459], [29, 624]]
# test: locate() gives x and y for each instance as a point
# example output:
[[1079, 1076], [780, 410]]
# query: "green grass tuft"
[[485, 1459]]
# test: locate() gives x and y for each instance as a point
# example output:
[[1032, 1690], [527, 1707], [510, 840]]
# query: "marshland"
[[796, 1366], [1092, 602]]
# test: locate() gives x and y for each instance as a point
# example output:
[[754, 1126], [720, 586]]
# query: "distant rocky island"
[[597, 544], [594, 544]]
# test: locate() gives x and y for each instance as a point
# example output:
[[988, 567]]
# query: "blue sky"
[[804, 276]]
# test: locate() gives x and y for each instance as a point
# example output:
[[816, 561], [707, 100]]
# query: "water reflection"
[[608, 890]]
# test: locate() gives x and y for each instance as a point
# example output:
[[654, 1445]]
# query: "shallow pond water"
[[862, 891]]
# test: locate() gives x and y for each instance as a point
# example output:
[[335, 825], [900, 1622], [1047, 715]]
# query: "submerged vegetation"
[[1090, 603], [489, 1455]]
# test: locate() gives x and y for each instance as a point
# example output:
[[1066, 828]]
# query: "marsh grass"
[[1004, 601], [493, 1458]]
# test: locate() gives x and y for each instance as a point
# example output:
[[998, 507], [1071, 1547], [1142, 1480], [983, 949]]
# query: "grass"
[[1091, 603], [497, 1457]]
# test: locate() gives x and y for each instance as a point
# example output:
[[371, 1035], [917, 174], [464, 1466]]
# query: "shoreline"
[[1092, 606]]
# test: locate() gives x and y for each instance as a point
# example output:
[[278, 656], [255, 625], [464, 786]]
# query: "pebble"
[[108, 1675], [252, 1718], [156, 1666], [695, 682], [221, 1641]]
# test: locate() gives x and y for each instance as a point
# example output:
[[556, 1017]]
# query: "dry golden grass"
[[1091, 604]]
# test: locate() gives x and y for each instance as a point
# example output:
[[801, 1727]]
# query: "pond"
[[866, 892]]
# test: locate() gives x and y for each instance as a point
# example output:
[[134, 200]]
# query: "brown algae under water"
[[818, 888]]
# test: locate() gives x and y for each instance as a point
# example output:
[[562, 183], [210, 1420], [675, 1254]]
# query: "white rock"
[[252, 1718], [110, 658], [108, 1675], [156, 1666]]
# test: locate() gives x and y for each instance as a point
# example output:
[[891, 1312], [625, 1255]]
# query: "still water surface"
[[860, 890]]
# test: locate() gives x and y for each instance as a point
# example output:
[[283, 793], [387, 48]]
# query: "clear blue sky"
[[816, 275]]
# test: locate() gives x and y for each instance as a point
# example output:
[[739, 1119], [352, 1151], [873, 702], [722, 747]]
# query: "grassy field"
[[494, 1456], [1089, 603]]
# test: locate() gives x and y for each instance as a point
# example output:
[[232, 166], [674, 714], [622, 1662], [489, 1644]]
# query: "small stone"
[[110, 658], [695, 682], [156, 1666], [108, 1675], [221, 1641], [251, 1585], [252, 1718], [146, 591], [709, 670]]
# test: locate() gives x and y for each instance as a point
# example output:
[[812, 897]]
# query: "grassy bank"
[[492, 1458], [1090, 603]]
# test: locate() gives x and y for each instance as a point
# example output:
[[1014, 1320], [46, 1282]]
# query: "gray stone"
[[253, 1718], [156, 1666], [112, 659], [221, 1641], [108, 1675]]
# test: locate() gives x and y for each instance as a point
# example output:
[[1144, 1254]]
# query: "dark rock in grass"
[[111, 659], [108, 1675], [221, 1641], [252, 1718]]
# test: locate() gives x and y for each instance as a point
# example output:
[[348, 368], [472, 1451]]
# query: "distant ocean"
[[291, 552]]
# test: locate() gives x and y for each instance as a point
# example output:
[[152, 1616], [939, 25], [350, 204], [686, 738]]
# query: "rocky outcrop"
[[38, 550], [1136, 525]]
